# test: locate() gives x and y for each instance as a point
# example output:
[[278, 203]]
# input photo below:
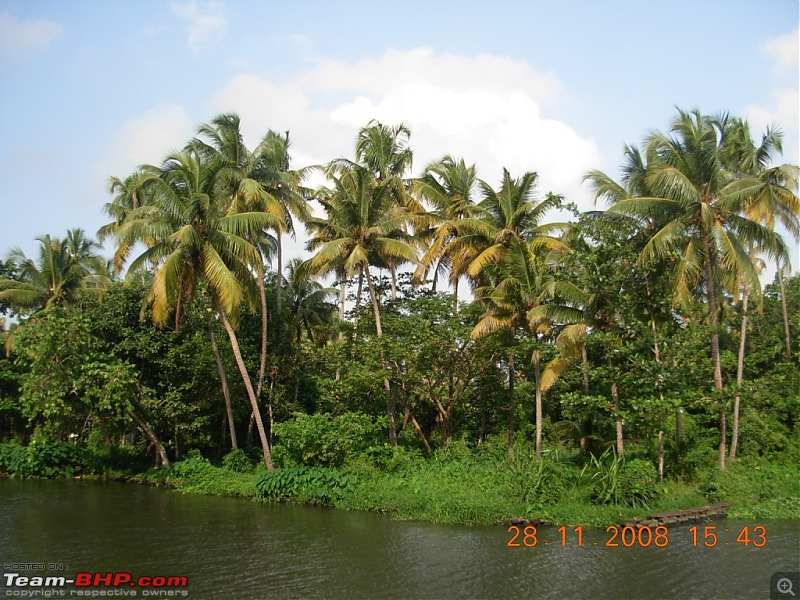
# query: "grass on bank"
[[458, 485]]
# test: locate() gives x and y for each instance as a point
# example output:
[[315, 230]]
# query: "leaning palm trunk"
[[248, 386], [280, 273], [390, 404], [511, 407], [262, 366], [538, 381], [714, 322], [223, 379], [785, 316], [739, 376]]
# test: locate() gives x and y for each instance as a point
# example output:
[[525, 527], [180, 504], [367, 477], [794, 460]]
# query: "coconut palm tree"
[[197, 236], [65, 272], [310, 306], [511, 213], [698, 206], [364, 228], [502, 242], [448, 185], [772, 200]]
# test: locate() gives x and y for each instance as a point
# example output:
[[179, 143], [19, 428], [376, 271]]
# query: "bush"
[[41, 458], [238, 461], [304, 484], [194, 474], [322, 440], [617, 481]]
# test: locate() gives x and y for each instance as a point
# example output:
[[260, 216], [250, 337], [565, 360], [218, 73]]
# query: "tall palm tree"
[[520, 286], [65, 271], [448, 185], [198, 237], [284, 185], [698, 205], [249, 181], [384, 150], [772, 200], [365, 227], [502, 242]]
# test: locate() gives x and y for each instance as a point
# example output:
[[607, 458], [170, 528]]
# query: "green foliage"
[[45, 459], [238, 461], [755, 488], [618, 481], [195, 475], [322, 440], [317, 485]]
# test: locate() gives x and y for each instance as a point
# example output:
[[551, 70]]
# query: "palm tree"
[[241, 177], [65, 272], [384, 151], [521, 286], [502, 242], [365, 227], [284, 185], [449, 186], [310, 308], [197, 236], [772, 200], [698, 206], [504, 215]]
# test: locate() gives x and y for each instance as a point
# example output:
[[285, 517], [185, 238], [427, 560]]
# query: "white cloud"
[[784, 108], [146, 138], [205, 22], [783, 50], [487, 109], [19, 39]]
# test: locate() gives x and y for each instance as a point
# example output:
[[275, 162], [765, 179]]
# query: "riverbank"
[[468, 488], [461, 485]]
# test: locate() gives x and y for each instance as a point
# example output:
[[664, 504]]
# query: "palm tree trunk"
[[785, 316], [393, 273], [248, 386], [585, 369], [511, 407], [537, 380], [223, 379], [280, 273], [356, 310], [262, 365], [455, 297], [390, 402], [739, 376], [714, 322]]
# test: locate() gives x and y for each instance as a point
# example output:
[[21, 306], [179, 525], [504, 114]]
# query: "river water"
[[234, 548]]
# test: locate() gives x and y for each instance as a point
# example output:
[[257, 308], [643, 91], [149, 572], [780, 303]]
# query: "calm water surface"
[[233, 548]]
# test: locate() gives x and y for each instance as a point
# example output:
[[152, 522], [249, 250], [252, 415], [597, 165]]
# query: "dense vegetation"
[[608, 363]]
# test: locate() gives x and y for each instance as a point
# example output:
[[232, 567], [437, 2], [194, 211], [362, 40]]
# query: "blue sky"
[[90, 89]]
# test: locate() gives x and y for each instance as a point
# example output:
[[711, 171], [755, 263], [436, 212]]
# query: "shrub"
[[617, 481], [305, 484], [322, 440], [41, 458], [238, 461], [194, 474]]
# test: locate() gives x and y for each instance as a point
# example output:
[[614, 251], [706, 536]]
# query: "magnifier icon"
[[784, 586]]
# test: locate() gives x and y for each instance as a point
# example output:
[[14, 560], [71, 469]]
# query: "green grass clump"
[[195, 475]]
